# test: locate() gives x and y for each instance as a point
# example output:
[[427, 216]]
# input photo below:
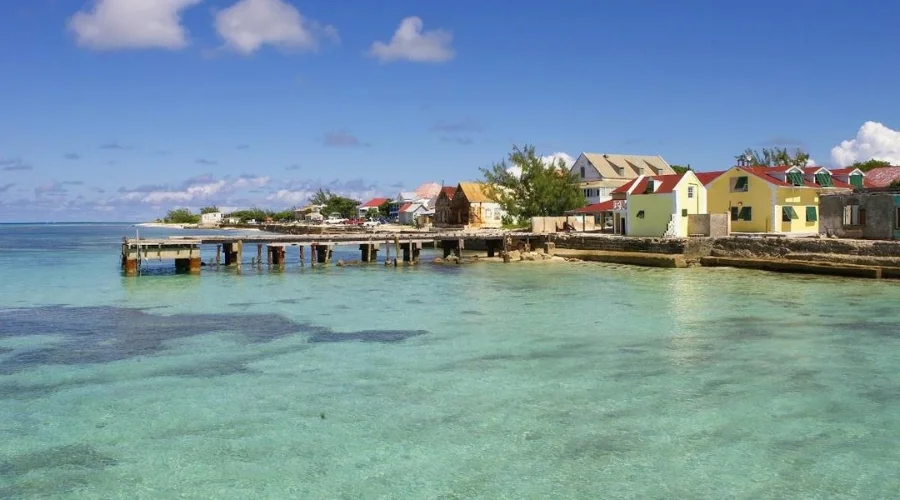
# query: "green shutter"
[[740, 184], [734, 213], [856, 180], [745, 213], [811, 215], [788, 213], [795, 178], [824, 180]]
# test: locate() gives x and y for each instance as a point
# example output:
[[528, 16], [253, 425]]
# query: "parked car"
[[335, 218], [371, 223]]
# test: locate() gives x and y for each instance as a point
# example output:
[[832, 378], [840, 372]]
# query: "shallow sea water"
[[526, 380]]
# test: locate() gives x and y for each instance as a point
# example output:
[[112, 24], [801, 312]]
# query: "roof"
[[475, 192], [764, 173], [428, 190], [448, 191], [707, 177], [606, 164], [882, 177], [846, 171], [604, 206], [408, 195], [405, 207], [667, 184], [373, 203]]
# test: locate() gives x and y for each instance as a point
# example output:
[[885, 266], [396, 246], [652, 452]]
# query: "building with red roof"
[[782, 199], [661, 206], [372, 204]]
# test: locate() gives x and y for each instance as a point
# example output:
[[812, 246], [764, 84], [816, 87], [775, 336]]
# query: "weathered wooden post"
[[301, 255], [218, 256], [259, 254], [313, 254], [269, 251], [396, 247]]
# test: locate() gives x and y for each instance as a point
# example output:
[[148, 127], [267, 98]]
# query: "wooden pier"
[[230, 250]]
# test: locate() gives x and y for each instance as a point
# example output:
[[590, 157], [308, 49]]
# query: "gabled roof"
[[373, 203], [407, 195], [475, 192], [847, 171], [882, 177], [607, 165], [604, 206], [764, 173], [405, 207], [707, 177], [448, 191], [667, 184]]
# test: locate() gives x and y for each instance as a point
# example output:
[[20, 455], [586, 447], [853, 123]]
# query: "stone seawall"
[[783, 247], [612, 243]]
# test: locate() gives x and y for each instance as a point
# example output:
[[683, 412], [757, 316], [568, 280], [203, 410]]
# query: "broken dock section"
[[272, 249]]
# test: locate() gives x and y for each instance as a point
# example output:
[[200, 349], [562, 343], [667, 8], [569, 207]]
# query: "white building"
[[601, 174], [211, 219]]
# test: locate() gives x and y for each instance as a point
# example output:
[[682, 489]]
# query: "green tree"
[[774, 157], [867, 165], [181, 216], [384, 209], [540, 189], [334, 203], [680, 169], [209, 210]]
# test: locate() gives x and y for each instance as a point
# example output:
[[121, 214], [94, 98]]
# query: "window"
[[811, 215], [684, 212], [795, 178], [650, 187], [824, 180], [741, 213], [640, 170], [853, 215], [582, 172], [788, 214], [897, 219], [739, 184], [488, 213], [640, 214], [690, 191], [856, 181]]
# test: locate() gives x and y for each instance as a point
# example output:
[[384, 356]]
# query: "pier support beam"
[[452, 246], [278, 254], [323, 254], [492, 246], [233, 253], [130, 266], [190, 265], [411, 251], [301, 255], [369, 252]]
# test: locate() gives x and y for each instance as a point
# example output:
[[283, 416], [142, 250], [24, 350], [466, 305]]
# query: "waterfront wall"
[[782, 247], [711, 225], [670, 246], [556, 224]]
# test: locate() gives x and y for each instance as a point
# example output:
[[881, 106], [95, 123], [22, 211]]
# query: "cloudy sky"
[[122, 109]]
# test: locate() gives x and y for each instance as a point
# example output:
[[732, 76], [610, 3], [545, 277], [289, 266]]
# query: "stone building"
[[871, 215]]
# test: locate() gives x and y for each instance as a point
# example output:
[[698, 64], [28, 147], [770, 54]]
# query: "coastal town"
[[634, 209]]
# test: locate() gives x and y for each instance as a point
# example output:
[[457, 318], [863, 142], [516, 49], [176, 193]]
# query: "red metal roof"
[[373, 203], [707, 177], [844, 171], [667, 184], [405, 207], [603, 206], [882, 177]]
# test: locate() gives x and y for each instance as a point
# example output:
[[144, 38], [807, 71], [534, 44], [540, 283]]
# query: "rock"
[[528, 256], [340, 263], [437, 260], [515, 255]]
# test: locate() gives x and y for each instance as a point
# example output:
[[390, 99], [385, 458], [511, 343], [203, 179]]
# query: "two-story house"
[[600, 174]]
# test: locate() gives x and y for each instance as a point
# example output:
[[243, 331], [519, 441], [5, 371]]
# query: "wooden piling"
[[218, 256], [301, 255], [259, 255]]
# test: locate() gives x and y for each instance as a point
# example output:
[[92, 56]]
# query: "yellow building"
[[770, 199], [659, 206]]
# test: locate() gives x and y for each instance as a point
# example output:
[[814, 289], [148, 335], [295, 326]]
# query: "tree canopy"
[[334, 203], [384, 209], [181, 216], [773, 157], [526, 186], [260, 214], [680, 169], [209, 210], [867, 165]]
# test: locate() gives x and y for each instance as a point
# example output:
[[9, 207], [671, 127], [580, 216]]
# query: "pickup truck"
[[335, 219]]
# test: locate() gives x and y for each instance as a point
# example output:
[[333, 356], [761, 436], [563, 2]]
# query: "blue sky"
[[122, 109]]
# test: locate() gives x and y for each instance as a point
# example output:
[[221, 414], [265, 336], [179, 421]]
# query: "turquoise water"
[[550, 380]]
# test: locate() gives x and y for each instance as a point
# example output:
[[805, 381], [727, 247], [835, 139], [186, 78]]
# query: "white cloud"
[[249, 24], [873, 141], [246, 181], [548, 160], [411, 43], [132, 24]]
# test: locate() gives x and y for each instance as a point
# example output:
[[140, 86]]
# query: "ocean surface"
[[515, 381]]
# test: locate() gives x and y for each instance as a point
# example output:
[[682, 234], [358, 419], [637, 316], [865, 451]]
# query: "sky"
[[119, 110]]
